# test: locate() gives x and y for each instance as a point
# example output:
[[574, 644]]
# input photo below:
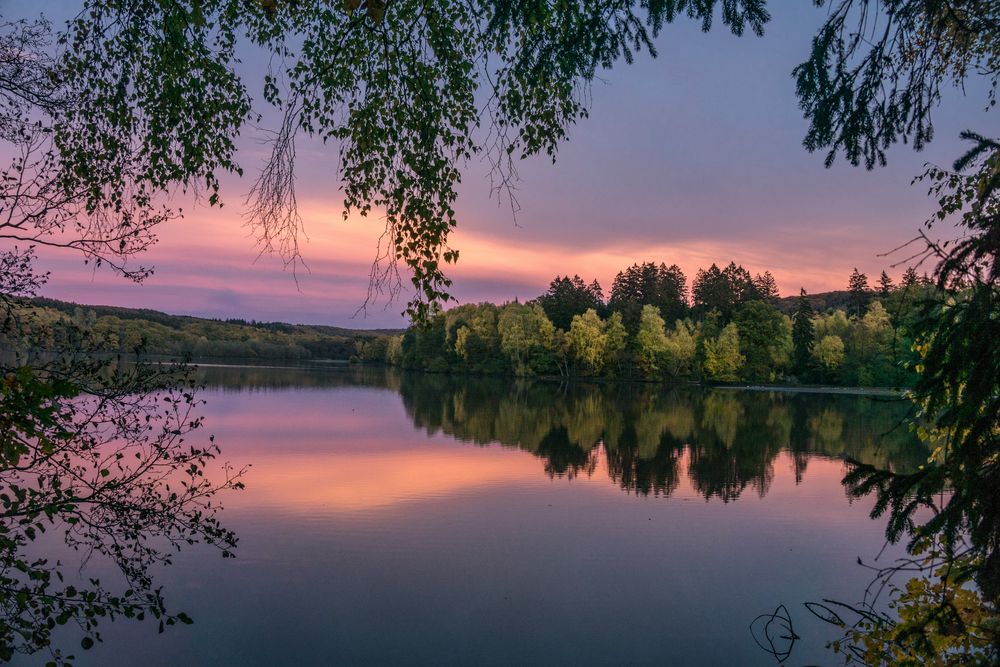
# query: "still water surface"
[[431, 520]]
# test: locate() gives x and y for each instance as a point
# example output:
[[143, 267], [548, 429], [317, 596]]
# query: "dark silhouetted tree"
[[885, 285], [723, 290], [766, 287], [803, 334], [567, 297], [857, 285], [662, 286]]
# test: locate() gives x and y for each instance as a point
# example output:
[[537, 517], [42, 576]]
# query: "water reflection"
[[731, 437], [415, 519], [644, 436]]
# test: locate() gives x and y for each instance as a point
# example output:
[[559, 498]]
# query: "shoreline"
[[790, 389], [850, 391]]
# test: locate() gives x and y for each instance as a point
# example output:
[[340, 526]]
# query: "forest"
[[728, 326], [149, 332]]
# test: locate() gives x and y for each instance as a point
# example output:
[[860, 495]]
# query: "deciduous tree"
[[723, 359], [651, 340]]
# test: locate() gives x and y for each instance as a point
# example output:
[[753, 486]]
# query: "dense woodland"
[[728, 326], [129, 330]]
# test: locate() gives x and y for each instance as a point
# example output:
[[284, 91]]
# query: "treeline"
[[727, 327], [128, 330]]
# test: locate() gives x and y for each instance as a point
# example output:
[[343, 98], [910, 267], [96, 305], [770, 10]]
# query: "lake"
[[423, 519]]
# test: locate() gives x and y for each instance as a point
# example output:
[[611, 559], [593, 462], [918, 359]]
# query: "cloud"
[[692, 158]]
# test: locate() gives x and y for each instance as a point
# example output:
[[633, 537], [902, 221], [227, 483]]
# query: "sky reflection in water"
[[628, 524]]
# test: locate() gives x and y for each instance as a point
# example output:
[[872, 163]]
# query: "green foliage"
[[870, 347], [723, 359], [394, 351], [588, 342], [829, 353], [525, 334], [873, 76], [521, 339], [937, 617], [651, 341], [126, 329], [875, 71], [832, 324], [763, 345], [100, 454], [615, 345], [679, 357]]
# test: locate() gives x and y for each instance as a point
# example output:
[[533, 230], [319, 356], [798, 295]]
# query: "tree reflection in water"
[[729, 438]]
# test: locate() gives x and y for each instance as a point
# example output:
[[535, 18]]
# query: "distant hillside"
[[178, 321], [174, 335]]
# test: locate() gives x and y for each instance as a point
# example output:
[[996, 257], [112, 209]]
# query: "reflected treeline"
[[731, 437]]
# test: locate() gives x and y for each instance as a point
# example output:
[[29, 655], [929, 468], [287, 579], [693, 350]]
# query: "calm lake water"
[[431, 520]]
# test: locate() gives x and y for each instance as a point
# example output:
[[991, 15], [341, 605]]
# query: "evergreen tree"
[[723, 290], [597, 294], [710, 291], [568, 297], [858, 287], [803, 334], [740, 284], [664, 287], [672, 292], [766, 287], [885, 285], [909, 277]]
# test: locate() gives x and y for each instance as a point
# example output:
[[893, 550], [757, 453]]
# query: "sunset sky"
[[690, 158]]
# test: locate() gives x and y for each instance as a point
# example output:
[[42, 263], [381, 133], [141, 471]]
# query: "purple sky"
[[691, 158]]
